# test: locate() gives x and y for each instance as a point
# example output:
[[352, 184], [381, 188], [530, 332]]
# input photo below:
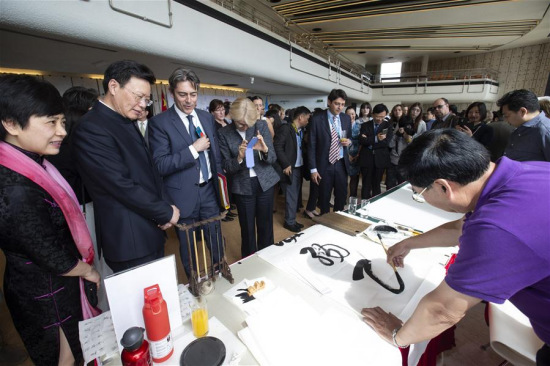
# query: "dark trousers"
[[122, 266], [255, 211], [313, 198], [291, 195], [543, 356], [353, 184], [206, 207], [371, 181], [334, 177], [393, 178]]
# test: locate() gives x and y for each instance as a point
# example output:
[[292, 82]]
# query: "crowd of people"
[[145, 174]]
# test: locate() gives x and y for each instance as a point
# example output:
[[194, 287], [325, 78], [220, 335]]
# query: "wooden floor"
[[471, 333]]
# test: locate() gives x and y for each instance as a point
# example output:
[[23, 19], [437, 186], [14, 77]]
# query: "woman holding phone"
[[252, 172]]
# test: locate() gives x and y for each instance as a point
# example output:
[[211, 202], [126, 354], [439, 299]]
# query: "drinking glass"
[[352, 207], [364, 208], [343, 136], [199, 317]]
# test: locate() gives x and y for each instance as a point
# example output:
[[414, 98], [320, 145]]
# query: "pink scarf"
[[53, 182]]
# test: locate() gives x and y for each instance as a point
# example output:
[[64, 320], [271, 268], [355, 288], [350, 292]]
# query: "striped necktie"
[[334, 151]]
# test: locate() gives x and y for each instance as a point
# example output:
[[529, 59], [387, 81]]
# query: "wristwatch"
[[394, 335]]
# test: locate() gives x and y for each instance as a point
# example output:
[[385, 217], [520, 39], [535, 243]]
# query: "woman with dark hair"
[[217, 109], [396, 114], [415, 114], [476, 126], [77, 101], [365, 112], [354, 151], [43, 233]]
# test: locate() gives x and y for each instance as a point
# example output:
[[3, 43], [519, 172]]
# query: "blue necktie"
[[202, 158]]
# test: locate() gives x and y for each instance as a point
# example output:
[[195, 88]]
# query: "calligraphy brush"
[[209, 227], [386, 250], [196, 254], [204, 253]]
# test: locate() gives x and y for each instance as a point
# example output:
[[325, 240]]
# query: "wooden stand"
[[202, 285]]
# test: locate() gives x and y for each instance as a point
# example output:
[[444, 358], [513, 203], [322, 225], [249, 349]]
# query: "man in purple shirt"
[[504, 236]]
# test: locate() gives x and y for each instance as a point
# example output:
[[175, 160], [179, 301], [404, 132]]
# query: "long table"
[[313, 313]]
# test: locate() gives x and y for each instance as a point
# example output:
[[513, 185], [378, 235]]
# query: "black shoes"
[[296, 228]]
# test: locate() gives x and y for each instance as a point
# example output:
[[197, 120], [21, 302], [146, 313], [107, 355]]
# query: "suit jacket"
[[118, 171], [286, 148], [230, 139], [379, 155], [170, 141], [319, 141], [450, 122]]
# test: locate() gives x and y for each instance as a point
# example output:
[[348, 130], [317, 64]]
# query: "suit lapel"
[[179, 126]]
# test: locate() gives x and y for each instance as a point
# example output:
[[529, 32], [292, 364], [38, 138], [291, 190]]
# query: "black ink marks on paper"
[[365, 264], [325, 252], [244, 296], [288, 240]]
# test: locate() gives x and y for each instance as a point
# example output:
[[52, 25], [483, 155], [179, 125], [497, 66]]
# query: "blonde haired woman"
[[253, 174]]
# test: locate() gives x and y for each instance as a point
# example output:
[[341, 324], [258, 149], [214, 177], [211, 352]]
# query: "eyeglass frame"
[[418, 197], [139, 99]]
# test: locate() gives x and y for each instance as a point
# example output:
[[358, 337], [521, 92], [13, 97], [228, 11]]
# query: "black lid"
[[205, 351], [132, 338]]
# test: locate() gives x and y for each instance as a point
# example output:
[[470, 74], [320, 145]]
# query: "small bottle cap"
[[132, 338]]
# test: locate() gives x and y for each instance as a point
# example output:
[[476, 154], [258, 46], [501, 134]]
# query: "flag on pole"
[[164, 104]]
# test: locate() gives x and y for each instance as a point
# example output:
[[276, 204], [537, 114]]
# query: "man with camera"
[[402, 137], [374, 156]]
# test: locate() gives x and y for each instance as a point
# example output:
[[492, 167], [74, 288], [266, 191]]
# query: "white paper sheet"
[[97, 337], [400, 208]]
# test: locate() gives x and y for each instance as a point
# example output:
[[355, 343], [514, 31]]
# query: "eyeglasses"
[[441, 106], [141, 98], [418, 197]]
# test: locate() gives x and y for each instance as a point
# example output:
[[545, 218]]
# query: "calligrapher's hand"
[[288, 170], [260, 145], [242, 149], [383, 323], [398, 252]]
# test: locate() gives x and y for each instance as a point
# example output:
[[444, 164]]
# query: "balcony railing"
[[303, 38], [441, 75]]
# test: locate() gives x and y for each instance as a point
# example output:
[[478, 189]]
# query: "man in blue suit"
[[185, 150], [328, 151]]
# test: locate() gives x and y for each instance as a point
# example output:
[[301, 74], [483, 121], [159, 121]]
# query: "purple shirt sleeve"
[[493, 264]]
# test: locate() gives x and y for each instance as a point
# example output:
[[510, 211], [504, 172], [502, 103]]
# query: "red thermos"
[[157, 324], [136, 349]]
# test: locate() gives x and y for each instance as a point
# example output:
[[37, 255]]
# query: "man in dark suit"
[[444, 117], [185, 149], [142, 123], [131, 207], [328, 151], [374, 156], [288, 146]]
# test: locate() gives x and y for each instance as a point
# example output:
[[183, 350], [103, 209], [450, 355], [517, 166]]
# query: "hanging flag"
[[164, 104]]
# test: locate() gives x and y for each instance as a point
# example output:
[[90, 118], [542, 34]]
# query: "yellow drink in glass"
[[199, 321]]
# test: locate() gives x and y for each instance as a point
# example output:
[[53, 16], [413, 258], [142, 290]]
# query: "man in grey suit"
[[185, 150]]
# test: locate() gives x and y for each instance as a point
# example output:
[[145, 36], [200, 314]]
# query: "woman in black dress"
[[42, 231]]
